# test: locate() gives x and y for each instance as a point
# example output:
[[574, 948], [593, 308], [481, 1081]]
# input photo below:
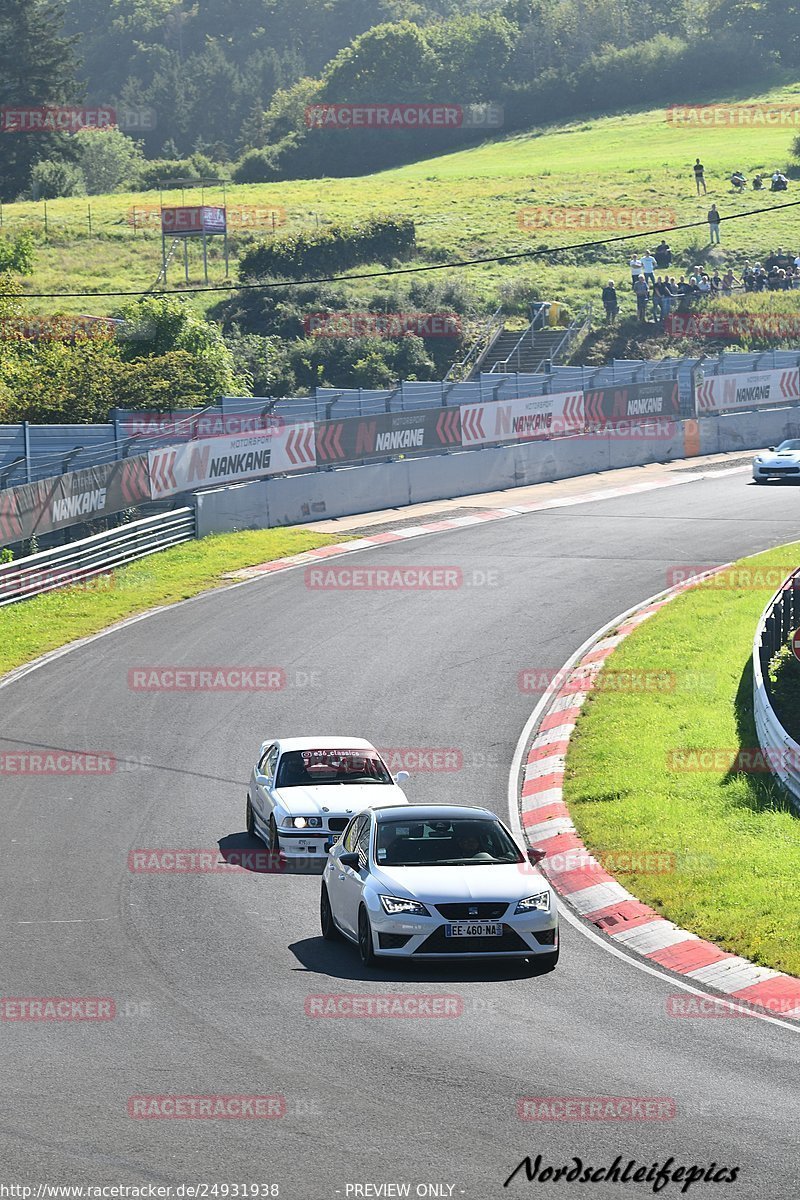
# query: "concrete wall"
[[297, 499]]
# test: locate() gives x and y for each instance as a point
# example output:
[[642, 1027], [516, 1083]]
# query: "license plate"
[[474, 929]]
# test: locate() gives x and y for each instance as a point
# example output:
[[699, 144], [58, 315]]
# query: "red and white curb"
[[586, 886], [479, 517]]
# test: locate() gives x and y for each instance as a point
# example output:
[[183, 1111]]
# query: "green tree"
[[36, 68], [156, 325], [107, 158]]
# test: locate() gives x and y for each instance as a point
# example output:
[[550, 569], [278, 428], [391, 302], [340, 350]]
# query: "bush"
[[165, 172], [108, 159], [256, 166], [50, 180], [16, 254], [327, 251]]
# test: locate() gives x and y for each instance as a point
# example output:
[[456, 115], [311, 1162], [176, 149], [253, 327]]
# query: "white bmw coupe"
[[303, 791]]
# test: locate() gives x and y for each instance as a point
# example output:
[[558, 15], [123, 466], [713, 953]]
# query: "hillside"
[[464, 204]]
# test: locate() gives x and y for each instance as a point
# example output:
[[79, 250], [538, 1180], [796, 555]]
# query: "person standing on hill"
[[642, 293], [636, 269], [713, 224], [700, 176], [610, 301]]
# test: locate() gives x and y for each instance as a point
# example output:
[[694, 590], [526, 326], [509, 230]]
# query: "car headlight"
[[396, 907], [758, 458], [530, 903], [302, 822]]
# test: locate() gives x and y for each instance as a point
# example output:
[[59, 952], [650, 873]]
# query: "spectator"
[[636, 269], [699, 176], [704, 286], [649, 268], [663, 255], [738, 181], [729, 282], [779, 182], [758, 182], [747, 277], [610, 301], [642, 294], [713, 224]]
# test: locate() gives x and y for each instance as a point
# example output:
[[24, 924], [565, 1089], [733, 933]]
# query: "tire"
[[273, 843], [249, 819], [758, 479], [326, 923], [366, 946]]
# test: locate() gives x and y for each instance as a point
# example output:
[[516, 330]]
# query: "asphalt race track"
[[210, 972]]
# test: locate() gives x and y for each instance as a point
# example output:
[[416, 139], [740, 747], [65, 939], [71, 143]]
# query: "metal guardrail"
[[779, 619], [480, 347], [100, 554]]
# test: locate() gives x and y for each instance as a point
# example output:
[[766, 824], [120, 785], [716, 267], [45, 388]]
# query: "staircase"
[[522, 352]]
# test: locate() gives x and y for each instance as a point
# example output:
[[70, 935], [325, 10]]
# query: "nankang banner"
[[356, 439], [213, 460], [523, 420], [71, 499], [632, 402], [759, 389]]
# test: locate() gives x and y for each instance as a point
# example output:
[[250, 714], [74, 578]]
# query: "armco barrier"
[[778, 621], [98, 555]]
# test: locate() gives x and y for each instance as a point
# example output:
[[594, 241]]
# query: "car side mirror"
[[770, 447], [349, 860], [401, 777], [535, 855]]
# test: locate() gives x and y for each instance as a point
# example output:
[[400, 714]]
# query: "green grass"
[[44, 623], [465, 204], [733, 841]]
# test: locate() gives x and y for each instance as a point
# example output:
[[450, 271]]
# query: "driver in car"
[[471, 844]]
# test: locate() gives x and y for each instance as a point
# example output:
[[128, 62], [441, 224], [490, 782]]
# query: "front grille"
[[546, 938], [473, 912], [393, 941], [438, 943], [337, 824], [782, 470]]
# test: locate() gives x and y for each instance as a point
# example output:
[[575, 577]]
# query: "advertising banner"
[[71, 499], [215, 460], [188, 220], [632, 402], [355, 439], [527, 419], [726, 393]]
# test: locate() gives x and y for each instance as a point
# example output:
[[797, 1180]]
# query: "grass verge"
[[718, 847], [44, 623]]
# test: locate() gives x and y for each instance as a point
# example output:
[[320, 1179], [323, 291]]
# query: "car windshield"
[[462, 841], [299, 768], [791, 444]]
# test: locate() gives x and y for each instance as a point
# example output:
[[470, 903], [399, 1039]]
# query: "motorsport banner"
[[71, 499], [632, 402], [527, 419], [725, 393], [213, 460], [420, 431]]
